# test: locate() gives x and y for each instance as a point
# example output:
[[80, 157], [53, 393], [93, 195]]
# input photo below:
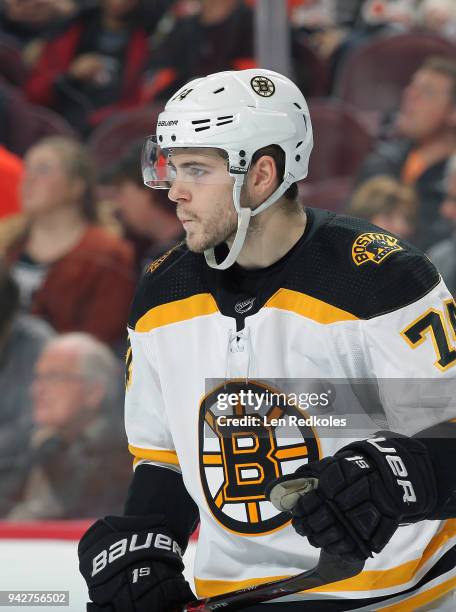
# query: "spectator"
[[443, 254], [438, 16], [71, 272], [152, 13], [384, 201], [10, 176], [312, 15], [74, 400], [219, 37], [26, 20], [426, 127], [22, 339], [365, 20], [93, 68], [149, 219]]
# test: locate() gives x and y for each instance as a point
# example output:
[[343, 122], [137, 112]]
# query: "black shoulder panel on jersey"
[[176, 275], [359, 267]]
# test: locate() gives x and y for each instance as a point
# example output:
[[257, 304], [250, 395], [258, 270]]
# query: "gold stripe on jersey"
[[400, 574], [161, 456], [368, 580], [308, 306], [414, 603], [210, 588], [179, 310]]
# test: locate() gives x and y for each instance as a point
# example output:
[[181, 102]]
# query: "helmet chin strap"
[[244, 216], [238, 242]]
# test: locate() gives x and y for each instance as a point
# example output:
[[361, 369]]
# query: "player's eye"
[[196, 172]]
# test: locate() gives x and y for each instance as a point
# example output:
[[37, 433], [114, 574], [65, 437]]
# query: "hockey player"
[[266, 291]]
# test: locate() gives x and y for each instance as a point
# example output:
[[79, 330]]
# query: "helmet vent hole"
[[197, 121], [225, 120], [219, 90], [299, 144], [204, 127], [297, 105], [305, 121]]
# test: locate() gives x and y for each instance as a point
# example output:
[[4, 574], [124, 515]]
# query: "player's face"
[[427, 107], [58, 390], [448, 207], [203, 193]]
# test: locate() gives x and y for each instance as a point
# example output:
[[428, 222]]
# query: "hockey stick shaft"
[[329, 569]]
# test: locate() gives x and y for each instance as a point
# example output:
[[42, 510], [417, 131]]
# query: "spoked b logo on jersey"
[[249, 434], [252, 432]]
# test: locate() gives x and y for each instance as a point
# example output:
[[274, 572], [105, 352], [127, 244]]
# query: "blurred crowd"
[[81, 84]]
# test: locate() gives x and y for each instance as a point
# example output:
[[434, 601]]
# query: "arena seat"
[[12, 67], [46, 122], [24, 124], [374, 75], [116, 135], [330, 194], [311, 71], [341, 141]]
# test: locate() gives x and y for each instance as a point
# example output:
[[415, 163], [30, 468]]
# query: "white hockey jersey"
[[348, 303]]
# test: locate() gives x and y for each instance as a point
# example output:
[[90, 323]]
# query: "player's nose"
[[179, 192]]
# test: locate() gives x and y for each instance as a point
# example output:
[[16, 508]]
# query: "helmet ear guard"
[[240, 112]]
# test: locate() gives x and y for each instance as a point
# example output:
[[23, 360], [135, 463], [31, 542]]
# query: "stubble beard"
[[220, 227]]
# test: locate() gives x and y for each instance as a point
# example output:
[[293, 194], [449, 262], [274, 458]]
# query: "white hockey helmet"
[[238, 112]]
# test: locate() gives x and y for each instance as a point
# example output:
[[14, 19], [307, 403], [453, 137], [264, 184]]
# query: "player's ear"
[[262, 178]]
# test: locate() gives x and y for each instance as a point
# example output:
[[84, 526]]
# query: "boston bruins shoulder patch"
[[374, 247]]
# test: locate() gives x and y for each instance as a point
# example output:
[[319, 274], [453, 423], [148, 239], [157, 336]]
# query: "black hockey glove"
[[360, 496], [132, 564]]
